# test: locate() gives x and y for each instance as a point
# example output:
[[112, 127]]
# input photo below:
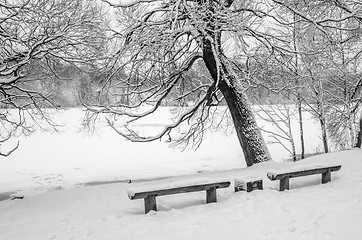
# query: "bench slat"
[[184, 189], [277, 176]]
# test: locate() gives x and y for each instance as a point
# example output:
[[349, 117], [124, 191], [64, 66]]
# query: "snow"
[[63, 177], [127, 3], [246, 179], [60, 160], [296, 168], [169, 183], [309, 211]]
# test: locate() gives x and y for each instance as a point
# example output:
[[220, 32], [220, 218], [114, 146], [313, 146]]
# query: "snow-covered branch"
[[128, 3], [34, 43]]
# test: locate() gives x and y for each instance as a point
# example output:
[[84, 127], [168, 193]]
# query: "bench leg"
[[211, 195], [326, 177], [284, 184], [150, 203]]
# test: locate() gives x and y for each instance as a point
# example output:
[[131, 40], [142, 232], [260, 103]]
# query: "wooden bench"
[[149, 192], [284, 176]]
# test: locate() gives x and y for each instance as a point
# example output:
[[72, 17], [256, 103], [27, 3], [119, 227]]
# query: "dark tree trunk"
[[291, 135], [299, 99], [300, 116], [322, 119], [249, 135], [359, 136], [324, 133]]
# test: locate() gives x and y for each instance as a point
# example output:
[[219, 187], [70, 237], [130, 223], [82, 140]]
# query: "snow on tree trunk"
[[299, 99], [291, 140], [301, 130], [321, 115], [324, 133], [249, 135], [250, 138], [351, 128]]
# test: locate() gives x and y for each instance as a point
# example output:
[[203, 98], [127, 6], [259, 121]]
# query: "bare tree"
[[326, 14], [279, 116], [335, 26], [357, 95], [315, 68], [36, 35]]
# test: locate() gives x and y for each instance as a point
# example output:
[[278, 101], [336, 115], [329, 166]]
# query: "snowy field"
[[63, 176]]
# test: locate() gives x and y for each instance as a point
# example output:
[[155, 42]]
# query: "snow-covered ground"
[[50, 170], [61, 160]]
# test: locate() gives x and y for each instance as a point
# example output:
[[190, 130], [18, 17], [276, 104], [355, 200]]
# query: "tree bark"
[[249, 135], [324, 133], [321, 116], [359, 136], [291, 139], [299, 99], [300, 116]]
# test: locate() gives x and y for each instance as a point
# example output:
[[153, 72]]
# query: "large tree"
[[161, 42]]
